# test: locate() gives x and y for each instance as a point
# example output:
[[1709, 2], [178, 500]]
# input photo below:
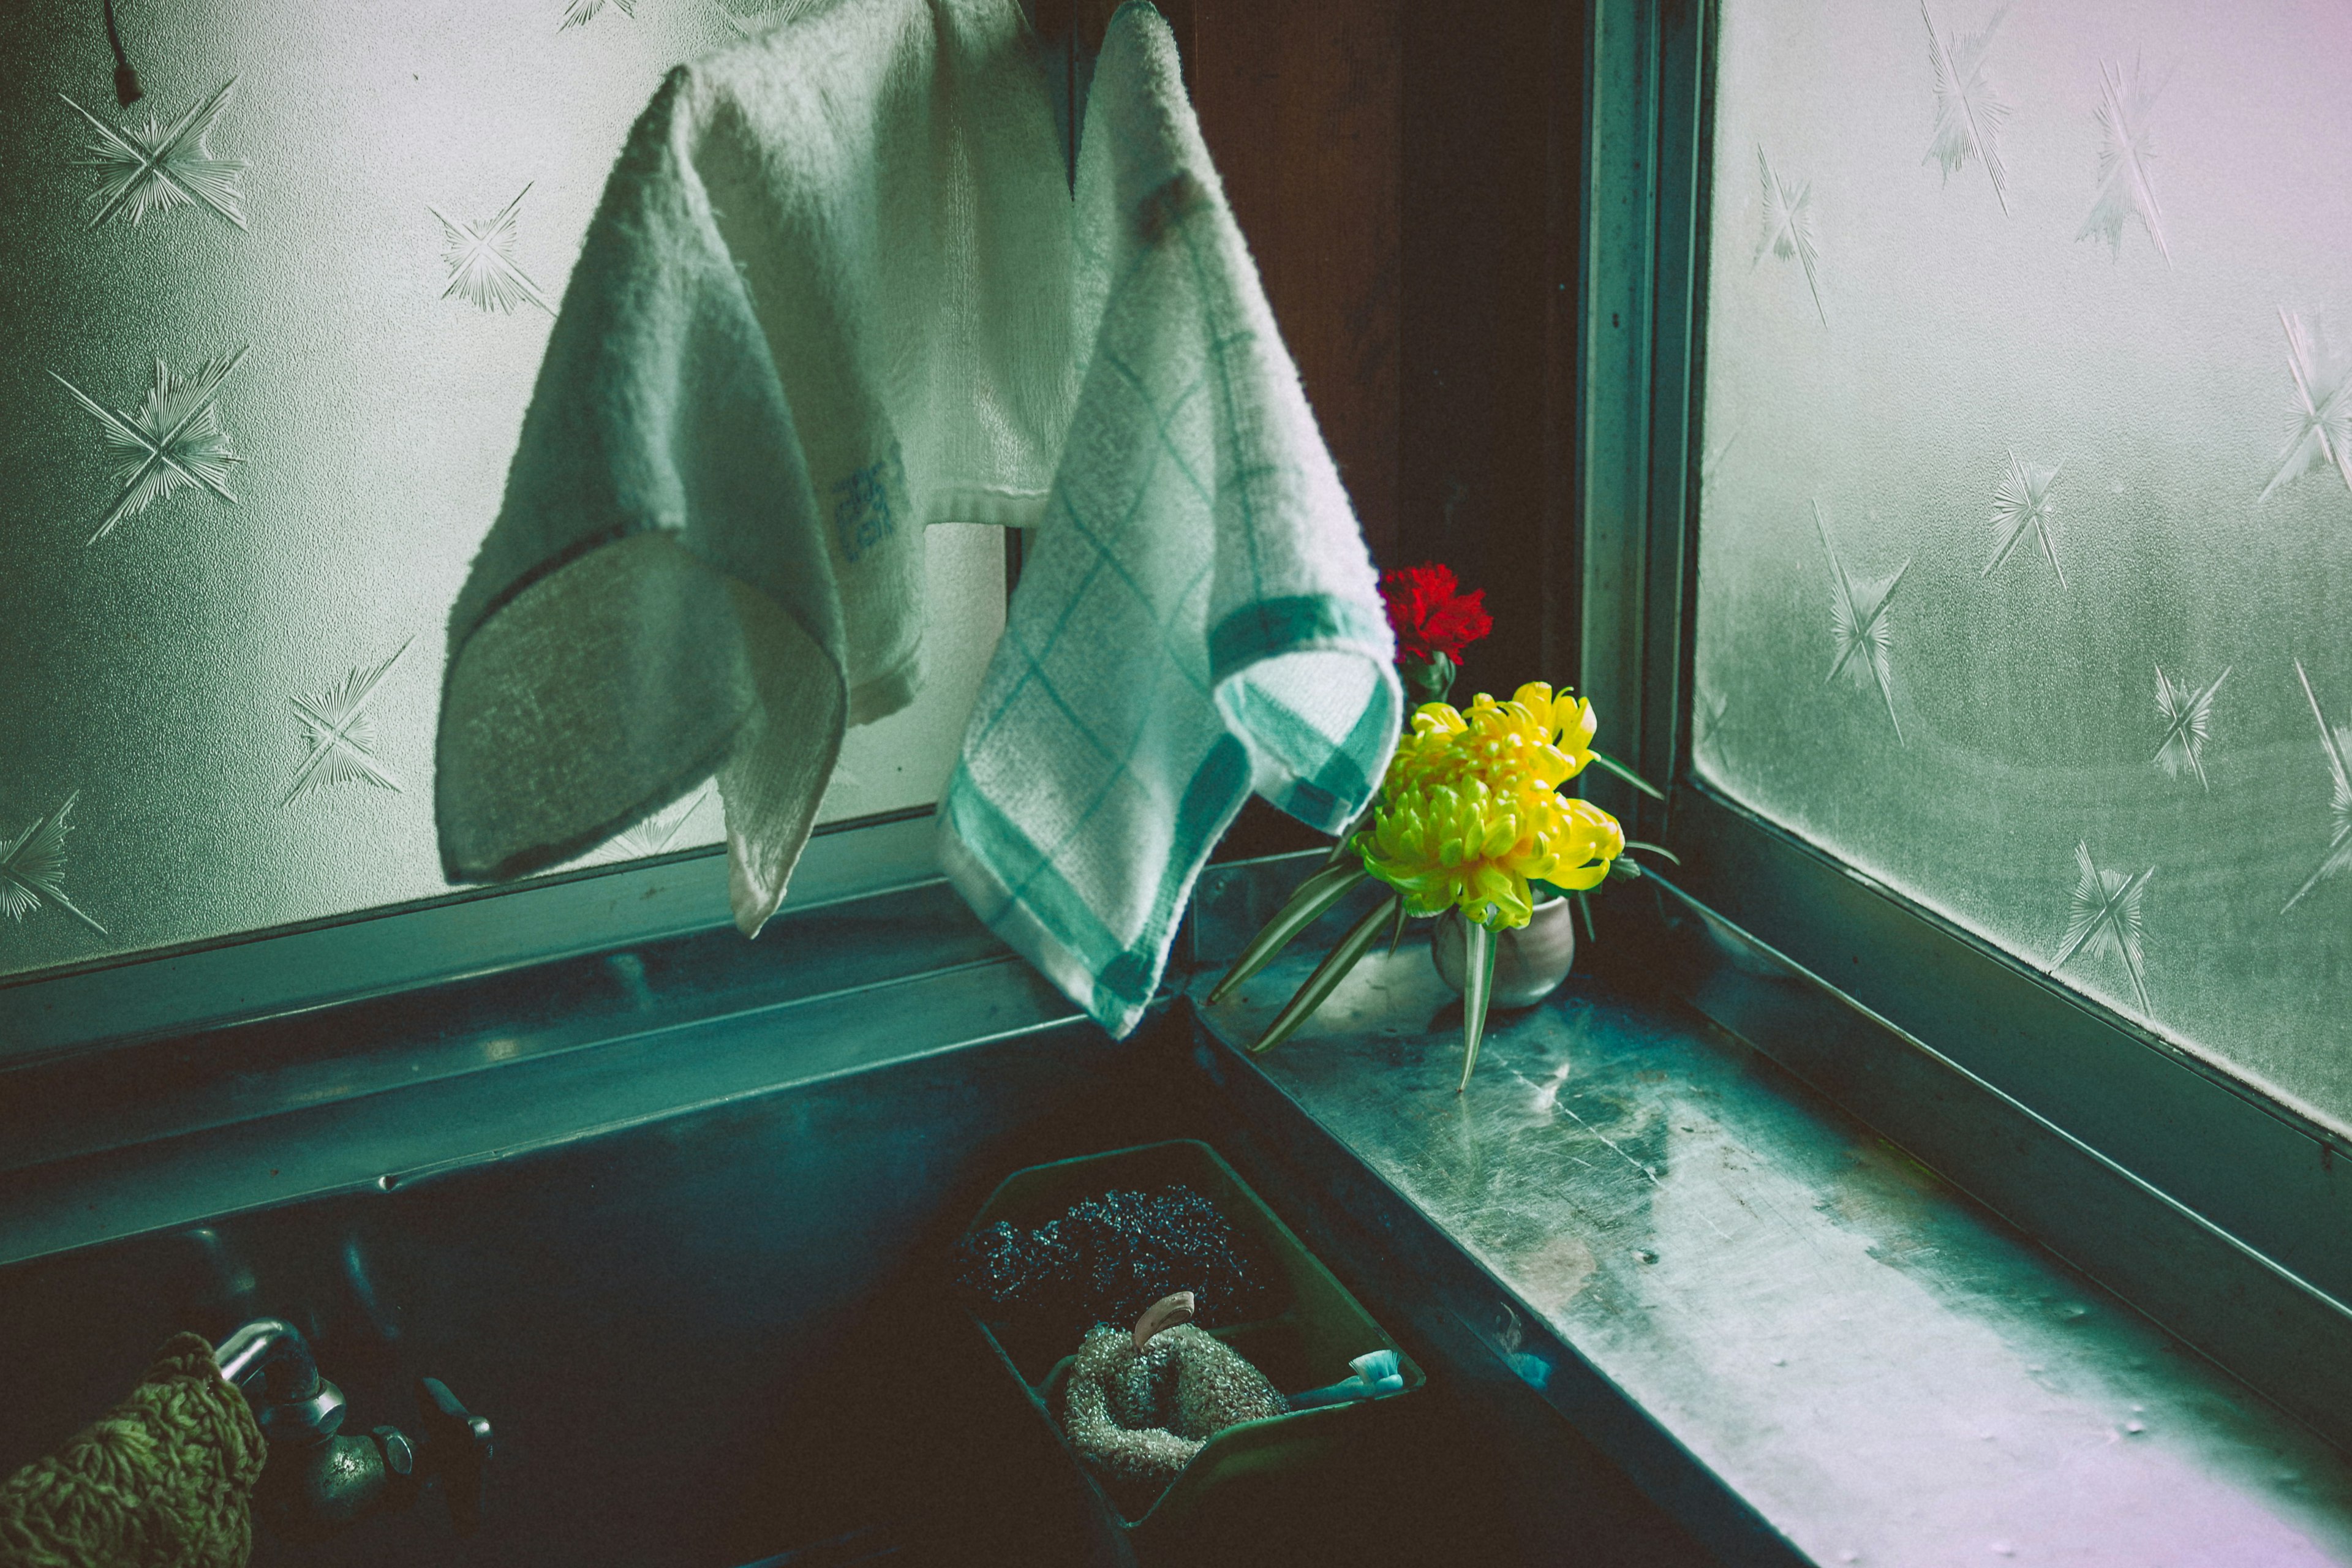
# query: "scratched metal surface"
[[1880, 1367]]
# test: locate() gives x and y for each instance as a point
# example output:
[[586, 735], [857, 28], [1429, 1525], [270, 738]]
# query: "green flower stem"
[[1347, 834], [1313, 896], [1478, 984], [1430, 682], [1327, 975], [1628, 775]]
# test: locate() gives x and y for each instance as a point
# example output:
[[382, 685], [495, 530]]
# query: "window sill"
[[1800, 1343], [420, 1085]]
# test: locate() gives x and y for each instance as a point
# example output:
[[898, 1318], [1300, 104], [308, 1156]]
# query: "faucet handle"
[[457, 1448]]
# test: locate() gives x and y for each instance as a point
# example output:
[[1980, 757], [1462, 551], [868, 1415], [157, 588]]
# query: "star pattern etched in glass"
[[1707, 711], [578, 13], [339, 735], [2187, 715], [480, 259], [2103, 919], [1858, 622], [2023, 502], [2126, 191], [2335, 741], [1789, 227], [33, 867], [656, 833], [1968, 113], [159, 167], [2323, 408], [173, 440]]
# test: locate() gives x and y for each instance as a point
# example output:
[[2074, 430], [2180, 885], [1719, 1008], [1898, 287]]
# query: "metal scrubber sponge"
[[1140, 1404]]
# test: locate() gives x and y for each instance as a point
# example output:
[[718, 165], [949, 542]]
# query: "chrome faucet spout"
[[276, 1349], [318, 1482]]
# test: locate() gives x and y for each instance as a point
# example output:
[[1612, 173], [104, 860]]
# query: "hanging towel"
[[840, 288], [1197, 615], [826, 300], [165, 1481]]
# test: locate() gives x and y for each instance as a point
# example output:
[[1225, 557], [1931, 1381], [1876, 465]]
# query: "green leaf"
[[1314, 895], [1654, 849], [1347, 834], [1327, 976], [1585, 904], [1396, 933], [1478, 986], [1628, 775]]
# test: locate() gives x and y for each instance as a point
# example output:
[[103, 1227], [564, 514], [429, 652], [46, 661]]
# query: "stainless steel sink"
[[674, 1220], [704, 1336]]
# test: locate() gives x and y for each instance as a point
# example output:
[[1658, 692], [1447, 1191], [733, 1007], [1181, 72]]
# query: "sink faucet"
[[317, 1480]]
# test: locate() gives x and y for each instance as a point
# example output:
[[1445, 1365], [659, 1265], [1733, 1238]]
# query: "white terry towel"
[[1197, 616], [826, 300]]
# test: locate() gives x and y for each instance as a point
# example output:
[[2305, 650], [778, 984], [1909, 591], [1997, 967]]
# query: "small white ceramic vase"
[[1530, 962]]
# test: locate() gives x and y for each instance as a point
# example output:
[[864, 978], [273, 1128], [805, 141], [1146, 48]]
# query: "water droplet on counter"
[[2135, 1427], [1645, 1254], [2003, 1549], [1779, 1361]]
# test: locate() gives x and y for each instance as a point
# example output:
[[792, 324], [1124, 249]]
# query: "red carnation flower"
[[1431, 615]]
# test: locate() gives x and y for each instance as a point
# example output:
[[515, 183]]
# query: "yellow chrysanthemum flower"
[[1470, 810], [1534, 735]]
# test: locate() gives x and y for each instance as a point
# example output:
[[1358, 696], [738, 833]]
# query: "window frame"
[[2211, 1206], [219, 983]]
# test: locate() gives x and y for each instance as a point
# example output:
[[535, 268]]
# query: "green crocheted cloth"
[[165, 1481]]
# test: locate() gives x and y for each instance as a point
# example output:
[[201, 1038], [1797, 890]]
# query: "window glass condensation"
[[2025, 558]]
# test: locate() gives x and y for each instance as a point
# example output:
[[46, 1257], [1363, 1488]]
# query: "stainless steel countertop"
[[1882, 1369]]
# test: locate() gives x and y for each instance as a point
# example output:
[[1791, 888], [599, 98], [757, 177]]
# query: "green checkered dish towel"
[[1197, 616]]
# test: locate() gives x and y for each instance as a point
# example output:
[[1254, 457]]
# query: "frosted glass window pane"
[[2026, 532], [345, 263]]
